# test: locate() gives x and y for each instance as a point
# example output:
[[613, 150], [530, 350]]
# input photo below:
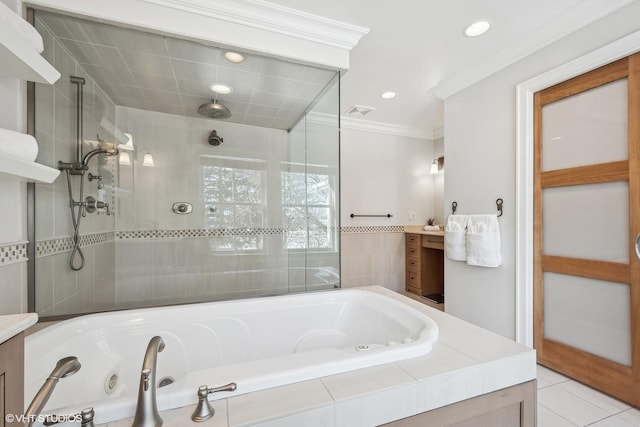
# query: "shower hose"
[[75, 218]]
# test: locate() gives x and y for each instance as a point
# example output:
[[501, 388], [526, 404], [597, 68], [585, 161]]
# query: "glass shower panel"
[[600, 324], [587, 128], [310, 196], [577, 221]]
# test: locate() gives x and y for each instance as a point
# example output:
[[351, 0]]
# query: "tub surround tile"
[[379, 407], [11, 325], [442, 390], [272, 404], [320, 417], [442, 360], [182, 417], [365, 381]]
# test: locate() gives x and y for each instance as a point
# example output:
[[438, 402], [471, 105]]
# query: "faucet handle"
[[85, 417], [146, 374], [204, 410]]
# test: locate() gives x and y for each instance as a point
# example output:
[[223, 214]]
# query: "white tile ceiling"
[[159, 73]]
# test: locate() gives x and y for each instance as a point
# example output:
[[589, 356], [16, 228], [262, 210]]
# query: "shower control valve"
[[91, 204]]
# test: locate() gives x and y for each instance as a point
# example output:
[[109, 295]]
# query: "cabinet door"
[[11, 379]]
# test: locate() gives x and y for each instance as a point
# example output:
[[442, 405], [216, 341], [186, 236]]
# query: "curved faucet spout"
[[147, 408]]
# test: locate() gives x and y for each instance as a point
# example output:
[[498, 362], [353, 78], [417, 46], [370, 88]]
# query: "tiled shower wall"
[[164, 257], [59, 289]]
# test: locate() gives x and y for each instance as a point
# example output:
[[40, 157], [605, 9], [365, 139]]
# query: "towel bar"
[[371, 216], [454, 207]]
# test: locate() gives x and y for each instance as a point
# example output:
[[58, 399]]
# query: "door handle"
[[637, 245]]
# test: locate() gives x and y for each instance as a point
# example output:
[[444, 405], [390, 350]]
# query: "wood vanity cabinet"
[[11, 378], [424, 264]]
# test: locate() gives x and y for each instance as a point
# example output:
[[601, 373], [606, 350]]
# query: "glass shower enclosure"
[[199, 209]]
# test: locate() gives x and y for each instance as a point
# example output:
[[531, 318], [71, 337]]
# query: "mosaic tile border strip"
[[56, 246], [13, 253], [374, 229], [65, 244], [211, 232]]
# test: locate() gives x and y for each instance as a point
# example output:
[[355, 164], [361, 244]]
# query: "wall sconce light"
[[437, 165], [147, 160], [124, 159]]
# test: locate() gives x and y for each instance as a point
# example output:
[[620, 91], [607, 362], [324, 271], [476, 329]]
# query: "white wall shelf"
[[16, 169], [21, 61]]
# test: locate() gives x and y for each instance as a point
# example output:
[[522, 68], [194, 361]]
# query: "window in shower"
[[234, 201], [307, 199]]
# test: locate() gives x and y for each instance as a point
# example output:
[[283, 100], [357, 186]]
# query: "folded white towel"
[[455, 237], [8, 18], [18, 145], [483, 241]]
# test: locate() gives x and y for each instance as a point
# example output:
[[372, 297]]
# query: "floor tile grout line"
[[555, 413], [594, 403]]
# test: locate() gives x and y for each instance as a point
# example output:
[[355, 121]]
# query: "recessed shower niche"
[[263, 217]]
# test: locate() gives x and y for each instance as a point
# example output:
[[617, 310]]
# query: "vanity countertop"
[[419, 229], [12, 324]]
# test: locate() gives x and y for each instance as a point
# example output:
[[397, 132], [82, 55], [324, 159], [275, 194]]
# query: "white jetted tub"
[[256, 343]]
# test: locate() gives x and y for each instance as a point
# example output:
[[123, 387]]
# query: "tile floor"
[[563, 402]]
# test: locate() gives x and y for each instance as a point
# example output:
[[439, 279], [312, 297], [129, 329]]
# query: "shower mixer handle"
[[91, 204]]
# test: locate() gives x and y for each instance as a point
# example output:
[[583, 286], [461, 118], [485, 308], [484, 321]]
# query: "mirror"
[[253, 162]]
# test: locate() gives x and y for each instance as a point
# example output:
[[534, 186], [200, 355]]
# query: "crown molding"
[[584, 13], [275, 18], [438, 133], [386, 128]]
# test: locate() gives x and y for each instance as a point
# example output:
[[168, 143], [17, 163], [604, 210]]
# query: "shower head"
[[65, 367], [214, 110], [106, 149]]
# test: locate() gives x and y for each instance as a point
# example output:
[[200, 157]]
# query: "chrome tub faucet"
[[147, 407]]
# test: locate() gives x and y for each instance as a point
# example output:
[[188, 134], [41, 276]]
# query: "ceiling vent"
[[361, 109]]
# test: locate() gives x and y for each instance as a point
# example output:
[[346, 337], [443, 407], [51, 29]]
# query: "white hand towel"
[[10, 19], [18, 144], [483, 241], [455, 237]]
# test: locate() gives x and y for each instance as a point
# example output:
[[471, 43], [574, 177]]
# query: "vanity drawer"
[[412, 239], [413, 278], [433, 242], [413, 263], [413, 252]]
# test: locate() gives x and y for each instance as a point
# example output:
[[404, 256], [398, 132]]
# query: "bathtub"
[[257, 343]]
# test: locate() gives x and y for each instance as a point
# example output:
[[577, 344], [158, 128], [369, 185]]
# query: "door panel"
[[576, 128], [600, 324], [578, 221], [586, 218]]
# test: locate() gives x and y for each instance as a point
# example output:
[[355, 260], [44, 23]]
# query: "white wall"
[[480, 129], [382, 173]]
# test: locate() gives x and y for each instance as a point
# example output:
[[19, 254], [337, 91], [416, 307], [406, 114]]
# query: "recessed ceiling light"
[[478, 28], [233, 57], [221, 89], [388, 95]]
